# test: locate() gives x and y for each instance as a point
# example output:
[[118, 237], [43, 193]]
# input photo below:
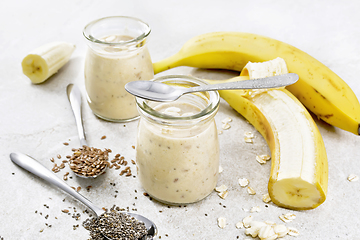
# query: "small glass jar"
[[117, 54], [177, 151]]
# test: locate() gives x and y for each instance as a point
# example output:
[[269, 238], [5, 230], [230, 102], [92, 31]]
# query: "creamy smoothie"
[[177, 165], [106, 74]]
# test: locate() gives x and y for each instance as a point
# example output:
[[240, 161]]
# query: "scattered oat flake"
[[243, 182], [220, 132], [221, 188], [239, 225], [260, 160], [226, 120], [249, 135], [223, 194], [247, 221], [220, 169], [266, 198], [267, 232], [226, 126], [293, 232], [288, 217], [248, 140], [255, 209], [280, 230], [221, 222], [353, 178], [271, 223], [251, 191]]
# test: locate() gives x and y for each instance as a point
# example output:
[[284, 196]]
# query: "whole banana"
[[299, 168], [322, 91]]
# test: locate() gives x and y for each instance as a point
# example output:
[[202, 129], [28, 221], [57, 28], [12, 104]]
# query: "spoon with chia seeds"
[[113, 225], [86, 162]]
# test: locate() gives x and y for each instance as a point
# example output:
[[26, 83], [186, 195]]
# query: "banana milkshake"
[[113, 60], [178, 162], [106, 76]]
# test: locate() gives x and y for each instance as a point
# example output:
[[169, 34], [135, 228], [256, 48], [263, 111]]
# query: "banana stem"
[[166, 64]]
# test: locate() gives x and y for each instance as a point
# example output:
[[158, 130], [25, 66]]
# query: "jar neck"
[[203, 105], [116, 34]]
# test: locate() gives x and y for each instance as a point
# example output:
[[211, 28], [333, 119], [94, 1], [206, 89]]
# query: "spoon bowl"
[[30, 164], [160, 92]]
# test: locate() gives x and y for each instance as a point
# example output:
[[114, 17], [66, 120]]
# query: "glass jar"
[[117, 54], [177, 151]]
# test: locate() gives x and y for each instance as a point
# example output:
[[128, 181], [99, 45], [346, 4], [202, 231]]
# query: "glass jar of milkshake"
[[117, 54], [177, 150]]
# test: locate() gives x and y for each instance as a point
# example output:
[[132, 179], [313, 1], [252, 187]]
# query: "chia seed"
[[115, 225]]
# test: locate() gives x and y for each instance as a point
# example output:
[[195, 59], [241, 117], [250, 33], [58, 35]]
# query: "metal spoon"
[[74, 96], [36, 168], [156, 91]]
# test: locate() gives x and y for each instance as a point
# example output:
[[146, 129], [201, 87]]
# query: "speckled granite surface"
[[37, 119]]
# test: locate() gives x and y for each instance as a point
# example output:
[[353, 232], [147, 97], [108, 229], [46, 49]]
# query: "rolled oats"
[[221, 188], [255, 209], [280, 230], [247, 221], [262, 158], [251, 191], [243, 182], [223, 194], [221, 222], [293, 232], [288, 217], [266, 198], [239, 225], [352, 178], [226, 126]]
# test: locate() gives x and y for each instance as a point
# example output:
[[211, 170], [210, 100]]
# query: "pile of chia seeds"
[[115, 225]]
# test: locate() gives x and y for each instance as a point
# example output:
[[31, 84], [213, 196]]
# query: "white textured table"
[[37, 120]]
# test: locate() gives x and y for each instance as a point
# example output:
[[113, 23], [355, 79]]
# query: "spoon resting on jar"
[[160, 92]]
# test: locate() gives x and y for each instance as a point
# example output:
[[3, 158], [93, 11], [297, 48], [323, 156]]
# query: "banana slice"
[[43, 62]]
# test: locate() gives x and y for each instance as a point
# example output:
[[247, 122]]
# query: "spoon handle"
[[74, 96], [268, 82], [30, 164]]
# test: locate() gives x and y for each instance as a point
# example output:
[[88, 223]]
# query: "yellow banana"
[[319, 89], [46, 60], [299, 168]]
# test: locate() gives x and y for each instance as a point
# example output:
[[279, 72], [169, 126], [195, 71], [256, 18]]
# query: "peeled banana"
[[43, 62], [319, 89], [299, 168]]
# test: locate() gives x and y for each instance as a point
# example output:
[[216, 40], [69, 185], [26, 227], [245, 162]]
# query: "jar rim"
[[87, 33], [213, 102]]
